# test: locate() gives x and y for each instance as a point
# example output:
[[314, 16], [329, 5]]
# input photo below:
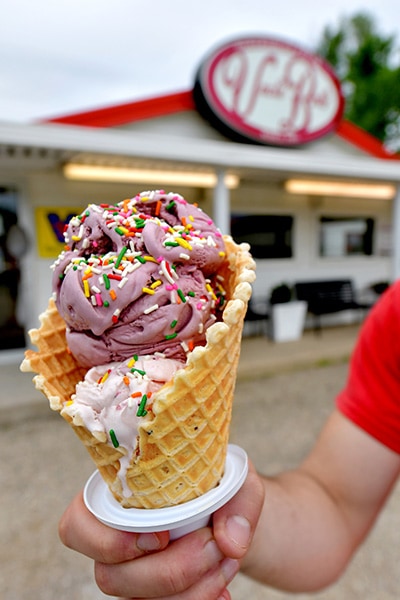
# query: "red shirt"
[[371, 398]]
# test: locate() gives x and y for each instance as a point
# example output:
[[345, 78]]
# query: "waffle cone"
[[181, 451]]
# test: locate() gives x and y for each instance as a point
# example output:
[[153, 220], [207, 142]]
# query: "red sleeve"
[[371, 398]]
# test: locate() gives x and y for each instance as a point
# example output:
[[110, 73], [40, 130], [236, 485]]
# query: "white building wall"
[[190, 124], [306, 262], [184, 124]]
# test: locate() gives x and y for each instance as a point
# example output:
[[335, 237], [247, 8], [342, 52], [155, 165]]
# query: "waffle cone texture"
[[181, 452]]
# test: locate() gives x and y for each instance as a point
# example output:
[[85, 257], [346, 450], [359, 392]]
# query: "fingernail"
[[213, 553], [238, 529], [148, 542], [229, 568]]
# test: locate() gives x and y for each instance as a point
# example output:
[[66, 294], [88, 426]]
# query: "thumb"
[[234, 524]]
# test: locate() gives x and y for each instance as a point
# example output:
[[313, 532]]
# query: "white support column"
[[221, 204], [396, 236]]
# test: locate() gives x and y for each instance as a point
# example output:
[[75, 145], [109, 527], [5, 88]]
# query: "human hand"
[[197, 566]]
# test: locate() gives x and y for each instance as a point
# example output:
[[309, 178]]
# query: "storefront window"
[[13, 243], [345, 236], [270, 236]]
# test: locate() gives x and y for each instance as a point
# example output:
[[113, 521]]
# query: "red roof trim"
[[364, 140], [168, 104], [130, 112]]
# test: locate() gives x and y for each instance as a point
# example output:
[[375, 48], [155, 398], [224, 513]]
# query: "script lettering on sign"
[[269, 92]]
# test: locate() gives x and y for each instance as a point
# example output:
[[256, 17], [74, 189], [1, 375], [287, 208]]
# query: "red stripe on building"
[[121, 114], [364, 140]]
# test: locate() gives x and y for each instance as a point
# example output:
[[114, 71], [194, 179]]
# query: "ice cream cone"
[[181, 451]]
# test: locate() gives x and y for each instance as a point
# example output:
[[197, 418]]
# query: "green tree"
[[367, 64]]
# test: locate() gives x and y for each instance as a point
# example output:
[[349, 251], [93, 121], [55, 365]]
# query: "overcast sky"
[[63, 56]]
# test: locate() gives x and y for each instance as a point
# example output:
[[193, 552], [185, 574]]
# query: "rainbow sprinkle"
[[113, 437]]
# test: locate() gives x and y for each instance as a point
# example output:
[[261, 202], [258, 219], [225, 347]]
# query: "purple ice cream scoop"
[[139, 277]]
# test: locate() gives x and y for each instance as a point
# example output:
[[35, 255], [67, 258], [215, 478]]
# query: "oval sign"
[[267, 91]]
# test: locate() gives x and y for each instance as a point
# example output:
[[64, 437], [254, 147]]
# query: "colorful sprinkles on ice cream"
[[139, 254]]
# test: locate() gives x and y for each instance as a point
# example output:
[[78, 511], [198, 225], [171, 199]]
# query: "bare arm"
[[314, 518]]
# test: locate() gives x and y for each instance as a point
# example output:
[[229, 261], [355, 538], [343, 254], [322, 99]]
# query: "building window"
[[13, 244], [345, 236], [270, 236]]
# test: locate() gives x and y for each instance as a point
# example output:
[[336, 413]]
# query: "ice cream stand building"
[[259, 143]]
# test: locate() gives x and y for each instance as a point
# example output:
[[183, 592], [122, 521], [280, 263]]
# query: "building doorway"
[[13, 244]]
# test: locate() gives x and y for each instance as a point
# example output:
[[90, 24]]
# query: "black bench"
[[256, 320], [328, 296]]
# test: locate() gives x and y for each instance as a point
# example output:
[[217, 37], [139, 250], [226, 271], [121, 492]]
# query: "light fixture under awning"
[[378, 191], [162, 177]]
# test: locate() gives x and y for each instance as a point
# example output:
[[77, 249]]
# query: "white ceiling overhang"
[[51, 144]]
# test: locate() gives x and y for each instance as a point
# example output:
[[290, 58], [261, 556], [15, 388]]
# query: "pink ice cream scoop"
[[137, 278], [113, 399]]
